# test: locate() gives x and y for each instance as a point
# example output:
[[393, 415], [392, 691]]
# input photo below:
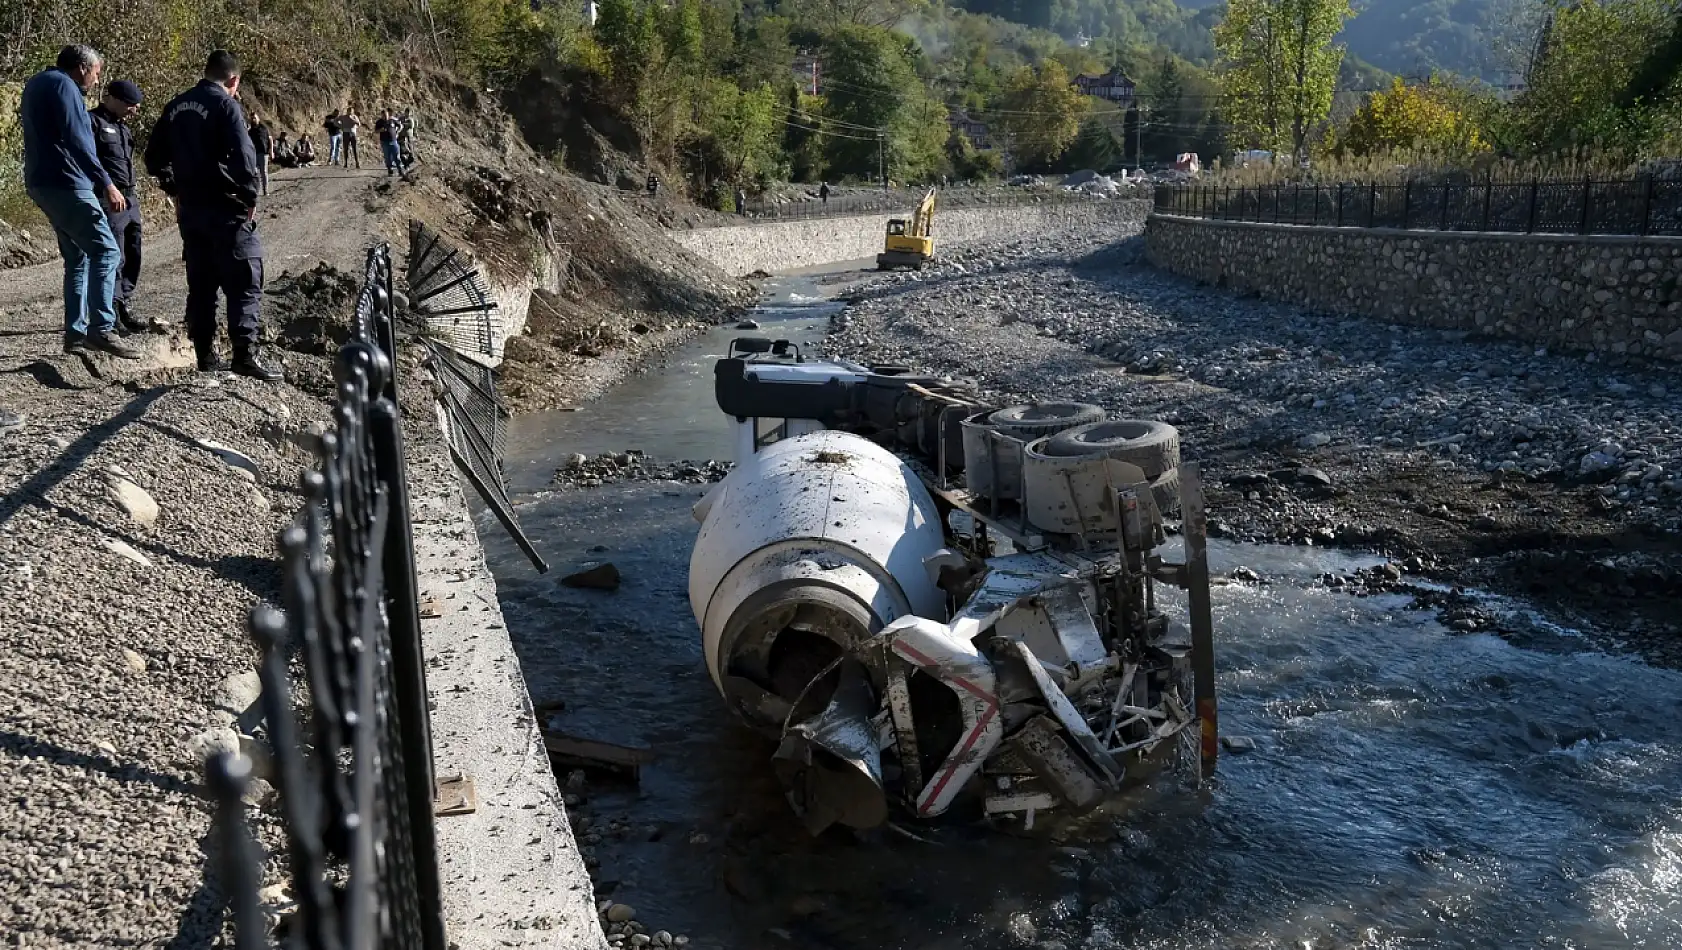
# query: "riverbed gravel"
[[1495, 461]]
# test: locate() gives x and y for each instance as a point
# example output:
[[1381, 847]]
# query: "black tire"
[[1165, 488], [1153, 446], [1044, 418]]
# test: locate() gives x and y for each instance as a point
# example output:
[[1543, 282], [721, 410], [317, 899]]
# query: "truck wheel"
[[1165, 489], [1044, 418], [1153, 446]]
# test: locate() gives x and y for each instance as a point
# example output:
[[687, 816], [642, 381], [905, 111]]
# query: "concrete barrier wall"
[[780, 246], [1603, 293]]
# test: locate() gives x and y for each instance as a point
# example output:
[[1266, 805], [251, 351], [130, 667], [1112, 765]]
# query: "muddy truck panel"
[[821, 537]]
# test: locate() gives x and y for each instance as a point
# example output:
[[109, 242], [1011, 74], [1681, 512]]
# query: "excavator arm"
[[922, 224]]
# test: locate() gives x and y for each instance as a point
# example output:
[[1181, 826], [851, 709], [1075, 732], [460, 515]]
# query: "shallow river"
[[1410, 787]]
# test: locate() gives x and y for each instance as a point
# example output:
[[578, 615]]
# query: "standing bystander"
[[262, 144], [348, 126], [113, 142], [335, 138], [63, 177], [406, 138], [388, 125], [201, 154]]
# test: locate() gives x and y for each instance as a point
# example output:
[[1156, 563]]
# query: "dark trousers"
[[125, 226], [350, 153], [222, 255]]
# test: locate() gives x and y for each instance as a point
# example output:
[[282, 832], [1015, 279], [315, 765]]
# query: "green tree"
[[803, 141], [743, 126], [1423, 117], [1279, 68], [1097, 146], [1040, 112], [877, 108], [1577, 94], [629, 39]]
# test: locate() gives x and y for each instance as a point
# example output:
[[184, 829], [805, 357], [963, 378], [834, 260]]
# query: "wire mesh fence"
[[1645, 205], [448, 296]]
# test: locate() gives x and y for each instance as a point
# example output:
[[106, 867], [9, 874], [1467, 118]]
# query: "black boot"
[[247, 363], [210, 361], [126, 321]]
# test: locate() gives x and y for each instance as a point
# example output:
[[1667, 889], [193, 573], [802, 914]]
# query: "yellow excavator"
[[910, 245]]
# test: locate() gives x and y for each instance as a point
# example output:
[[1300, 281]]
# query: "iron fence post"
[[1338, 212], [1583, 217], [1442, 225], [1407, 201], [1372, 205], [1488, 192], [1530, 220], [1646, 203]]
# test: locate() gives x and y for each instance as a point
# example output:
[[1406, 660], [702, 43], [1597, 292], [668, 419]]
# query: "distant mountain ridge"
[[1408, 37]]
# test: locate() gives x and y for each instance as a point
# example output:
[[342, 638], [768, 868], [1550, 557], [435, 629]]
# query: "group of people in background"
[[396, 134], [278, 150]]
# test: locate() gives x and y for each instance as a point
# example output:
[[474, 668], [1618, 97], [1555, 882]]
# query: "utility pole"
[[881, 161]]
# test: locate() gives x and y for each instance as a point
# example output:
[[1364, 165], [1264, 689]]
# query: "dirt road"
[[129, 556]]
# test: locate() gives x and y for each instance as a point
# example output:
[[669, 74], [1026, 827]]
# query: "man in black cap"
[[200, 153], [114, 144]]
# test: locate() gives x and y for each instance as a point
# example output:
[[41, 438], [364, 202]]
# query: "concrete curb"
[[511, 870]]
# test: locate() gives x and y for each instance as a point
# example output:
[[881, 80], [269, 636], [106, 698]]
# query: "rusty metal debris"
[[933, 608]]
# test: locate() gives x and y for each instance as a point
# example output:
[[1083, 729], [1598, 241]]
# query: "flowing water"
[[1410, 787]]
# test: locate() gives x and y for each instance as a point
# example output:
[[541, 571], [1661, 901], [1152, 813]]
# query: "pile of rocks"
[[584, 471], [1253, 374], [624, 930]]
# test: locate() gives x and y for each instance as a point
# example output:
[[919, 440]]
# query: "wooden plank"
[[579, 752]]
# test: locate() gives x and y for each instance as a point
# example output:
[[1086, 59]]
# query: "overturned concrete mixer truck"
[[946, 607]]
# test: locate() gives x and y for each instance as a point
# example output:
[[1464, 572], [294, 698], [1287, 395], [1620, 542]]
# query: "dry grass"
[[1397, 168]]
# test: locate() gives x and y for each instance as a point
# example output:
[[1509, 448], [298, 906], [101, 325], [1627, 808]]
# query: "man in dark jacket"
[[65, 179], [201, 154], [113, 142]]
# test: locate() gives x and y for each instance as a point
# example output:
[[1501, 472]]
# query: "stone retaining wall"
[[1611, 294], [781, 246]]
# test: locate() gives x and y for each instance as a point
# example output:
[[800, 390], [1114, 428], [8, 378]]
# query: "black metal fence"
[[1637, 206], [355, 776]]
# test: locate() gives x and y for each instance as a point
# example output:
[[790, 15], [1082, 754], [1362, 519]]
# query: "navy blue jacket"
[[201, 154], [57, 136], [113, 143]]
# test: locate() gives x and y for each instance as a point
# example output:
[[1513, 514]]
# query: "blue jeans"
[[393, 157], [335, 144], [91, 258]]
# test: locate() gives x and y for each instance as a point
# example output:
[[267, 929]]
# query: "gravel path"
[[1556, 476], [129, 557]]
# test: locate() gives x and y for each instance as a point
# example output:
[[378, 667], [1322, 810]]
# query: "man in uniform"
[[200, 153], [114, 144]]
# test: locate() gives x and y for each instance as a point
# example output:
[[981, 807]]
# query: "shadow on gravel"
[[200, 924], [51, 375], [16, 744], [34, 488]]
